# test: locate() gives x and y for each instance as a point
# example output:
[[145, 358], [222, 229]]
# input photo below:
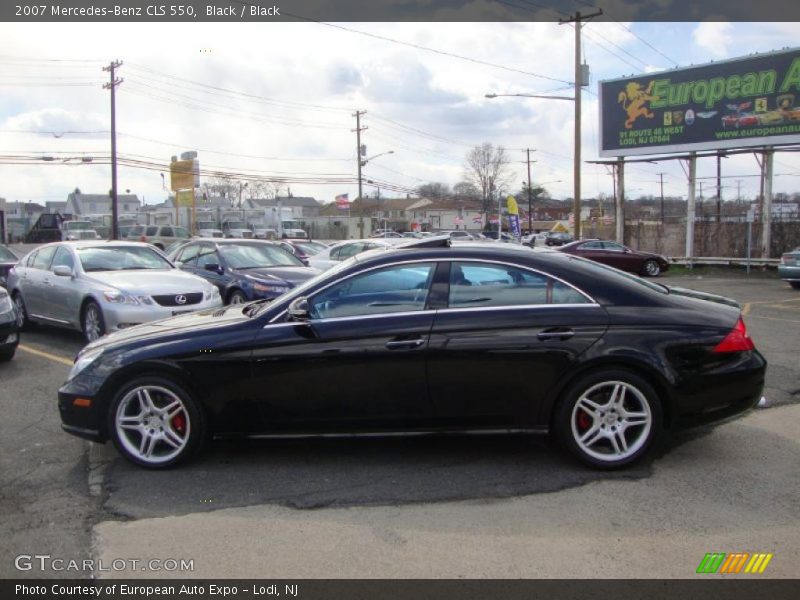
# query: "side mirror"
[[213, 267], [178, 264], [62, 271], [298, 309]]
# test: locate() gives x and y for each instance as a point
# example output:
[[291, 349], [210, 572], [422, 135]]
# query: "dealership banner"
[[745, 102]]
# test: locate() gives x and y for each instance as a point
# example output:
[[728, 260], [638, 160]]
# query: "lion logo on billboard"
[[633, 99]]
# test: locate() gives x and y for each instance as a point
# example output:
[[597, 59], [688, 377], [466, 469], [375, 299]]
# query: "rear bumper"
[[719, 396], [788, 273]]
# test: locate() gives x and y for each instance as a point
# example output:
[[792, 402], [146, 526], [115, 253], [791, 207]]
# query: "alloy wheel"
[[19, 303], [92, 323], [652, 268], [152, 424], [611, 421]]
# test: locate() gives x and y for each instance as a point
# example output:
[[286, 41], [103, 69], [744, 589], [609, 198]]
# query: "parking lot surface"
[[410, 507]]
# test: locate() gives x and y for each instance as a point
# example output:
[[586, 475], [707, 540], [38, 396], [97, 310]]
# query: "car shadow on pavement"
[[342, 472]]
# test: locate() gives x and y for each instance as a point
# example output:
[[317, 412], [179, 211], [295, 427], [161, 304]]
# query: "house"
[[82, 205]]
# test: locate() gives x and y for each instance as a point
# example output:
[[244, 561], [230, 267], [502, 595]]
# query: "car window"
[[136, 230], [152, 231], [478, 285], [63, 257], [207, 255], [349, 250], [180, 232], [43, 257], [6, 255], [253, 256], [592, 246], [188, 255], [400, 288], [167, 232], [613, 246]]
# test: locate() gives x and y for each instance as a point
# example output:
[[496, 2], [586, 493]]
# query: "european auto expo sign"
[[751, 101]]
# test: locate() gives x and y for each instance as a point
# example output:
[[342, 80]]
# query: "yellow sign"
[[559, 227], [185, 197], [181, 174], [513, 209]]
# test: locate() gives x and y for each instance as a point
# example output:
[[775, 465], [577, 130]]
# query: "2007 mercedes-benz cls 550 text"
[[476, 337]]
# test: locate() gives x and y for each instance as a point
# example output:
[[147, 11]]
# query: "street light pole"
[[530, 194]]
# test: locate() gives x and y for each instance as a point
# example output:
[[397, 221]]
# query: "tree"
[[487, 168], [466, 190], [433, 190]]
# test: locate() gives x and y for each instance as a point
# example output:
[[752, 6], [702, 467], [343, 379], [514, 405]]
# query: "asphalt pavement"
[[409, 507]]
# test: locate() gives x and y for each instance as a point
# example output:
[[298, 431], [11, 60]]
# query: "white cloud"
[[715, 37]]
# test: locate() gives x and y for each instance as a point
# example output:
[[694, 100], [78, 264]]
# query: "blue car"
[[243, 270]]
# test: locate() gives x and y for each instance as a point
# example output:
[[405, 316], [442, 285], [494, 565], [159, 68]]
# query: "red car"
[[619, 256]]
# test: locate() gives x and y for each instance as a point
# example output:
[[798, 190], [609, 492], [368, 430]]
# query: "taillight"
[[737, 340]]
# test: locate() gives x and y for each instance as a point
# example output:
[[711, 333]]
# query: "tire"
[[651, 268], [6, 354], [92, 323], [23, 322], [155, 423], [237, 297], [795, 284], [600, 431]]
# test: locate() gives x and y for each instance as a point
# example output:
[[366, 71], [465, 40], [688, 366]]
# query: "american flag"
[[477, 219], [342, 202]]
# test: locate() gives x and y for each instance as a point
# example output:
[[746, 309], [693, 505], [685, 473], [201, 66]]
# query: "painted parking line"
[[47, 355]]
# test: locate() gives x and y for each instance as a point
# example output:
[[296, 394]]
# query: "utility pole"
[[719, 187], [661, 176], [112, 85], [578, 83], [358, 131], [530, 194]]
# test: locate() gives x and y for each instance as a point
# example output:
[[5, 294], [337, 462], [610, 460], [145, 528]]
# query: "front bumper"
[[9, 333], [122, 316]]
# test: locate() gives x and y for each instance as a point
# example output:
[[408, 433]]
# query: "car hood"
[[194, 321], [679, 291], [294, 275], [149, 282]]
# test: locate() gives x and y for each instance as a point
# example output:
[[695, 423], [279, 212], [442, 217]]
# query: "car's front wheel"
[[23, 322], [155, 423], [609, 418], [651, 268], [237, 297], [93, 324]]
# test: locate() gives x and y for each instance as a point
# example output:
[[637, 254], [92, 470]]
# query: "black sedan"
[[9, 327], [243, 270], [471, 338], [619, 256], [7, 260]]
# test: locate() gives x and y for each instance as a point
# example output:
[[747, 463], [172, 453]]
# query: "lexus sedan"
[[470, 338], [243, 270], [9, 331], [789, 268], [619, 256], [100, 287]]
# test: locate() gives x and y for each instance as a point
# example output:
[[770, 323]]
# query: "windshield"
[[120, 258], [235, 225], [310, 249], [253, 256], [7, 255], [206, 225], [73, 225]]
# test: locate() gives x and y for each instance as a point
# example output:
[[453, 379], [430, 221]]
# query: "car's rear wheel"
[[651, 268], [92, 322], [609, 418], [795, 284], [237, 297], [155, 423]]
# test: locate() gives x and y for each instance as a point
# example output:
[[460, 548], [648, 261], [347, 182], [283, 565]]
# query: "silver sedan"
[[101, 287]]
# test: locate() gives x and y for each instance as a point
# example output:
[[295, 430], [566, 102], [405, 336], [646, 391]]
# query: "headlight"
[[84, 360], [212, 294], [117, 297], [5, 303]]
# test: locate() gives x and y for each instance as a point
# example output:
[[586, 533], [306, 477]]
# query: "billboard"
[[751, 101], [184, 174]]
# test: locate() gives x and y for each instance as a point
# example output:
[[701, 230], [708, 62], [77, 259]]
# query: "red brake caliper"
[[584, 421], [179, 423]]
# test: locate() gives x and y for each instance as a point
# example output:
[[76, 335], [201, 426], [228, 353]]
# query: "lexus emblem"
[[180, 299]]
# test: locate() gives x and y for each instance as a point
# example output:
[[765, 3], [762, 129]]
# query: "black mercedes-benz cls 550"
[[427, 338]]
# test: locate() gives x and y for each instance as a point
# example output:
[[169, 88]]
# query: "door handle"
[[404, 344], [559, 333]]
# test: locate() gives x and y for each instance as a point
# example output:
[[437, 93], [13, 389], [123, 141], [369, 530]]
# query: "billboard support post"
[[620, 201], [690, 209], [766, 218]]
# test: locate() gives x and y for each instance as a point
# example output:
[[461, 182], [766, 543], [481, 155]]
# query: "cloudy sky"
[[277, 100]]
